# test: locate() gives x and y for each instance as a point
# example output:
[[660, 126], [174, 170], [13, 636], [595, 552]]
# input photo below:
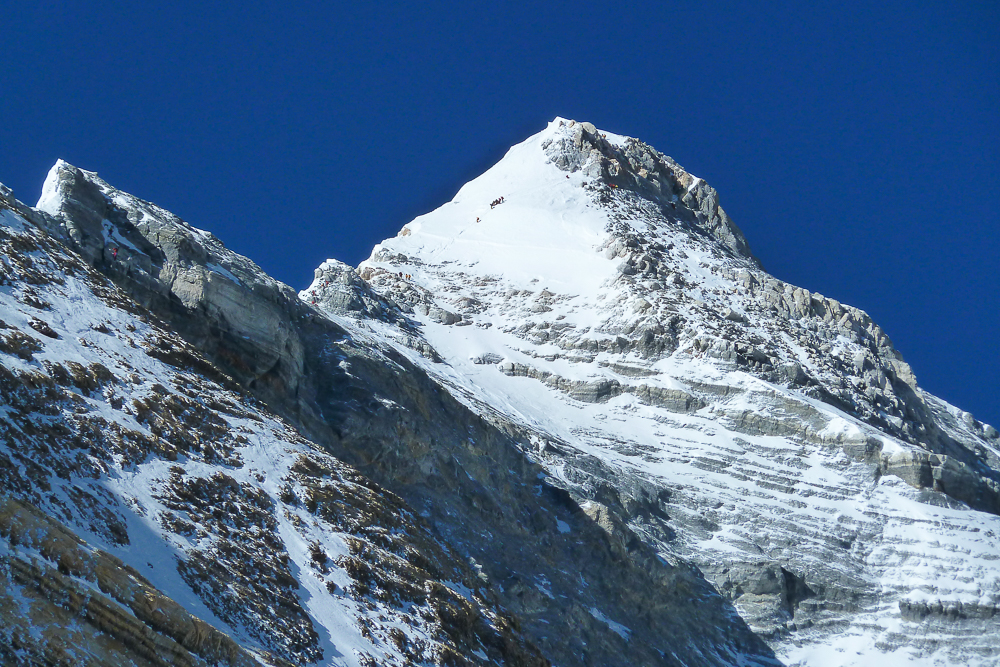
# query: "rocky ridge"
[[153, 512]]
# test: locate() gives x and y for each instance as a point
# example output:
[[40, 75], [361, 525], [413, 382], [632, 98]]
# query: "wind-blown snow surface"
[[538, 308]]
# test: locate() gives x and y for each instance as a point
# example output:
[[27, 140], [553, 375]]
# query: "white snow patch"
[[223, 271], [618, 628]]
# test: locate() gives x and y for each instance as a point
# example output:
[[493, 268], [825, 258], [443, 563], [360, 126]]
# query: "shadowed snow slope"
[[610, 315]]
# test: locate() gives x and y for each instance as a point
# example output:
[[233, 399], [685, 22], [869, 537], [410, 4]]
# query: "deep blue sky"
[[855, 145]]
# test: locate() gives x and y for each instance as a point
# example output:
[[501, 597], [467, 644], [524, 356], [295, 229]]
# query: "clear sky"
[[856, 144]]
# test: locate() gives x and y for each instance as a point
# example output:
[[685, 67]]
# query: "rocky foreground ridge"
[[587, 429], [154, 512]]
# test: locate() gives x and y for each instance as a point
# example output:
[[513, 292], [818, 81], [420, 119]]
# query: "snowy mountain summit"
[[611, 312], [564, 419]]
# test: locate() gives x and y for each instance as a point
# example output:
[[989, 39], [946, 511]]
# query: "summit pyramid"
[[698, 409]]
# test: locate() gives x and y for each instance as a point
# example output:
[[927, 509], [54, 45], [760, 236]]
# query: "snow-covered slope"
[[609, 313], [152, 512]]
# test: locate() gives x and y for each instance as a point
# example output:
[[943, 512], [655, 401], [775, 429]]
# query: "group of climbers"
[[109, 228], [495, 203], [111, 237], [405, 276]]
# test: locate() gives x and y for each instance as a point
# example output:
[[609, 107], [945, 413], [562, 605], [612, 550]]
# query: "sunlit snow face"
[[740, 450]]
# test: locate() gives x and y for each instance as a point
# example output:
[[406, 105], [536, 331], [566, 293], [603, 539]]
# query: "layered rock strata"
[[613, 317]]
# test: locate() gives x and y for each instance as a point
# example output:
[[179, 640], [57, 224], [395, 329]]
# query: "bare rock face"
[[641, 168], [347, 292], [219, 299], [67, 194]]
